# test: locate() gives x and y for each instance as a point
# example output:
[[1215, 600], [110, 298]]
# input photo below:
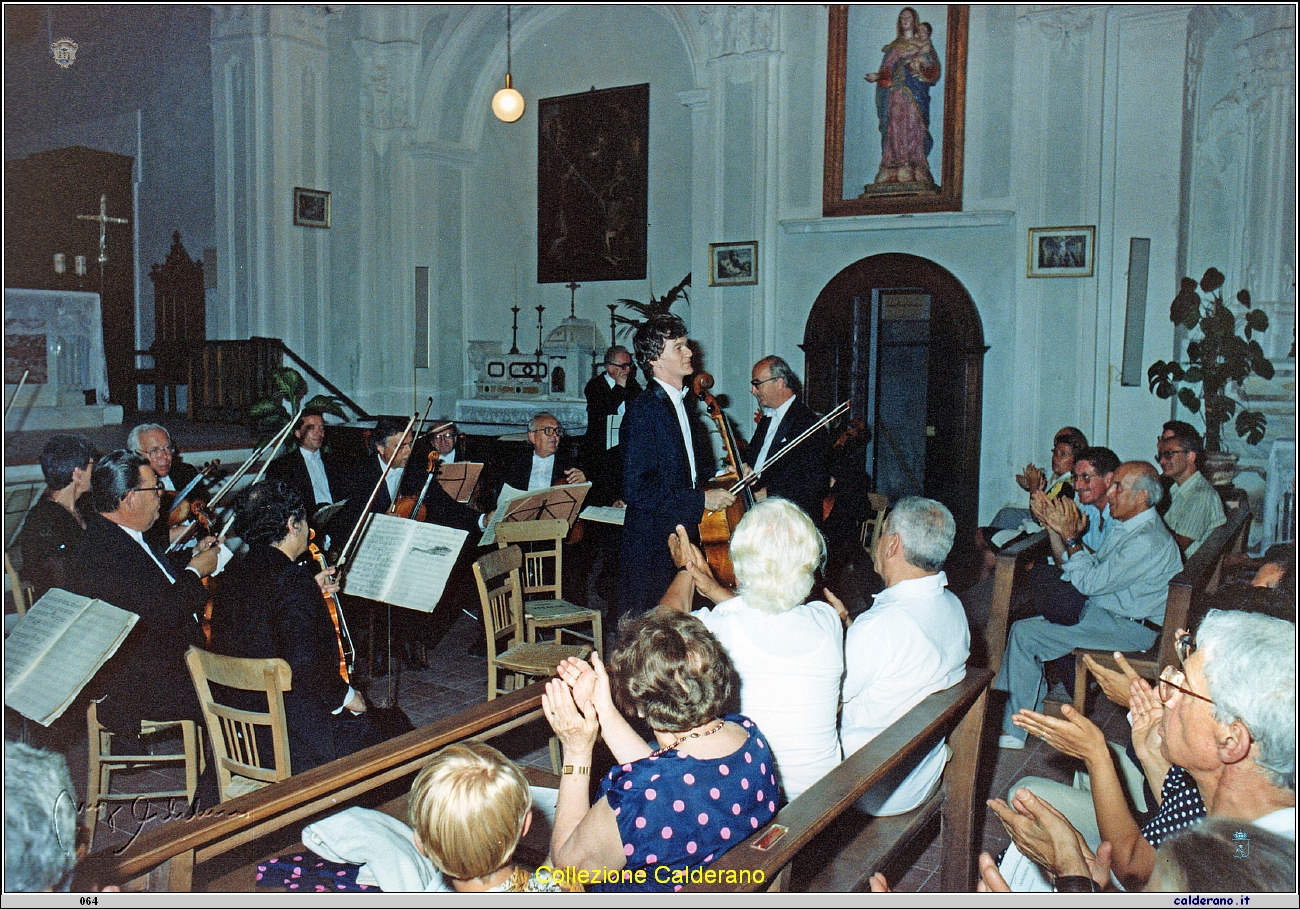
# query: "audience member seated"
[[469, 807], [912, 642], [114, 562], [788, 653], [270, 606], [1228, 720], [1209, 859], [40, 821], [54, 525], [1195, 509], [654, 819], [1067, 445], [1126, 582]]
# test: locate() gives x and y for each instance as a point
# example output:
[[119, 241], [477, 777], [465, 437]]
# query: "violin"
[[413, 507], [178, 505], [347, 652], [716, 526]]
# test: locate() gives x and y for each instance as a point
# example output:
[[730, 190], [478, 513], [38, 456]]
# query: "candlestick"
[[612, 307], [573, 290], [540, 310], [514, 330]]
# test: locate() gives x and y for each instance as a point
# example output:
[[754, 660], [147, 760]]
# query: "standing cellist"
[[662, 472]]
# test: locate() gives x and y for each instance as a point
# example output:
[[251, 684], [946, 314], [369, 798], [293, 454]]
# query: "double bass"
[[716, 526]]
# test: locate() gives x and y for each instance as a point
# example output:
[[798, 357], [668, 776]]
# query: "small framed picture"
[[1061, 252], [732, 264], [311, 207]]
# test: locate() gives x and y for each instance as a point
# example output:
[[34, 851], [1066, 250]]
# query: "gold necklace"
[[690, 735]]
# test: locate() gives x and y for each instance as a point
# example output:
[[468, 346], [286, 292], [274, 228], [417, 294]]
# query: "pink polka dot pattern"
[[666, 833], [691, 847], [650, 795], [724, 769], [628, 849], [735, 809], [749, 758], [640, 823], [703, 819], [744, 784], [688, 779], [714, 793], [726, 833], [679, 805]]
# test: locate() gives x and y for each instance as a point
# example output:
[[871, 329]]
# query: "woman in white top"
[[788, 653]]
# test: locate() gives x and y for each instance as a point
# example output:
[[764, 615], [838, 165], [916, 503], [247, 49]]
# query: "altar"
[[57, 338]]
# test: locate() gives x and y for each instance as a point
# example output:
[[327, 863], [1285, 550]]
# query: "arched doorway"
[[901, 336]]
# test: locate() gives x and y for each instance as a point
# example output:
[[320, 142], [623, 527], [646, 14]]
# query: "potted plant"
[[288, 389], [656, 307], [1218, 360]]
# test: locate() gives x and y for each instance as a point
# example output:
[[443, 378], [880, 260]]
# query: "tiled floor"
[[459, 680]]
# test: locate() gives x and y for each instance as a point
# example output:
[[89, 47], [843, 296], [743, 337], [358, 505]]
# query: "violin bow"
[[789, 446], [352, 538]]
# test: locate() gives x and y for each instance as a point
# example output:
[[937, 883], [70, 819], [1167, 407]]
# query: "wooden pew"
[[217, 849], [1199, 579], [1008, 578], [842, 860]]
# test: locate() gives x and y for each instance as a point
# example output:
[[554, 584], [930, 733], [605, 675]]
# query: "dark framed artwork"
[[895, 109], [311, 207], [1061, 252], [733, 264], [592, 164]]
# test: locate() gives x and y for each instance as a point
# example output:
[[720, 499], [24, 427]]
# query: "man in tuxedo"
[[153, 442], [607, 396], [545, 465], [662, 480], [147, 677], [314, 476], [799, 476]]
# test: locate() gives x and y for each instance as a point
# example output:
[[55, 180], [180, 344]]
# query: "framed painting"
[[1061, 252], [895, 109], [592, 183], [733, 264], [311, 207]]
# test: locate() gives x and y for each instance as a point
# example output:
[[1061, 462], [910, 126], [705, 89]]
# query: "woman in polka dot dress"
[[705, 784]]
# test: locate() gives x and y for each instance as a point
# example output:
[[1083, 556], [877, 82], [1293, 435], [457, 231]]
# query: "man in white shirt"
[[313, 476], [608, 396], [800, 476], [912, 642], [545, 465]]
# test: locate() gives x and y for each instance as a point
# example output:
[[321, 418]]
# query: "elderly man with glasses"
[[1216, 737], [547, 463], [114, 562], [608, 395], [801, 475]]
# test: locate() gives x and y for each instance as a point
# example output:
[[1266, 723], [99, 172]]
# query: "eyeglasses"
[[627, 365], [755, 383], [448, 436], [1184, 647], [550, 431], [157, 489], [1087, 477], [1169, 453], [1168, 684], [155, 452]]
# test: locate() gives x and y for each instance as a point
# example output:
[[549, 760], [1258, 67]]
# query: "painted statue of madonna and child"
[[909, 68]]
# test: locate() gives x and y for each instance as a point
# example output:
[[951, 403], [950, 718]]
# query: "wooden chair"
[[241, 764], [500, 593], [103, 763], [544, 606], [1199, 578], [22, 590], [874, 525]]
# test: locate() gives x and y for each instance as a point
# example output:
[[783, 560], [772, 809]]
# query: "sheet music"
[[508, 495], [612, 423], [404, 562], [564, 502], [57, 648], [459, 479], [425, 566], [604, 514]]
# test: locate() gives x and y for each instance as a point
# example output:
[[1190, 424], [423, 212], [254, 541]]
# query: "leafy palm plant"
[[1218, 360], [656, 307], [288, 388]]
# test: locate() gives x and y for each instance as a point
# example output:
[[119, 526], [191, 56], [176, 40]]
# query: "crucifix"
[[104, 220], [573, 290]]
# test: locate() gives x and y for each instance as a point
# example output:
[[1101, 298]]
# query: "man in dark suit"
[[153, 442], [147, 677], [314, 475], [607, 395], [544, 465], [799, 476], [662, 481]]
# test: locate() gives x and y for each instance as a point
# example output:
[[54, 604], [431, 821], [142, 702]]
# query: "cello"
[[716, 526]]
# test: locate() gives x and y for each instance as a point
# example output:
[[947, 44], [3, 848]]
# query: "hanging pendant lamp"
[[508, 104]]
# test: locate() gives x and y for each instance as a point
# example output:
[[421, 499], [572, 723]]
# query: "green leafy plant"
[[288, 389], [1218, 360], [656, 307]]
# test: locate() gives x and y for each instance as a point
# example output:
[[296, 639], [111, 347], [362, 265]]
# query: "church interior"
[[176, 178]]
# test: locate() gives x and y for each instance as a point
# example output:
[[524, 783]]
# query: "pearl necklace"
[[690, 735]]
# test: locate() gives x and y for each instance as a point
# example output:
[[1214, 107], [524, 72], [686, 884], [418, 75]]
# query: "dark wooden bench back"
[[957, 713], [1007, 578]]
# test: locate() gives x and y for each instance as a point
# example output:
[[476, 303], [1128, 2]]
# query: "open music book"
[[604, 514], [458, 480], [57, 648], [563, 501], [403, 562]]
